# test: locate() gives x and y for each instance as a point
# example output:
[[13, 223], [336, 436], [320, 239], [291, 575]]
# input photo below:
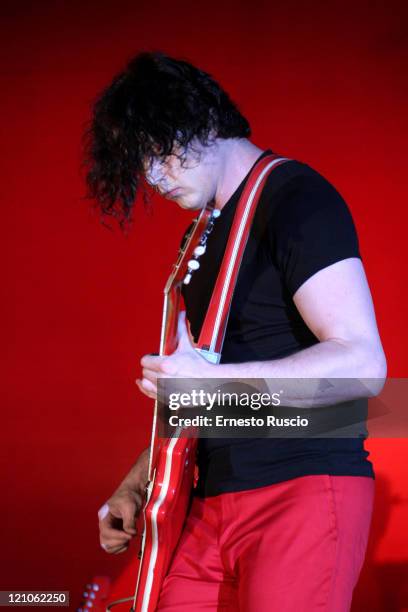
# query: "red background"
[[321, 82]]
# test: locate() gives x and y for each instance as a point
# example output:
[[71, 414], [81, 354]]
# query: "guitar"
[[171, 460]]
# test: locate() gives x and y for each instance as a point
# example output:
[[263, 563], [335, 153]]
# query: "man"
[[275, 524]]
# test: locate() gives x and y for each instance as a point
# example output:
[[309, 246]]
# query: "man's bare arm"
[[336, 305]]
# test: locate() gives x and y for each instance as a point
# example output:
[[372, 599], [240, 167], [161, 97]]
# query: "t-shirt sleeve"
[[311, 228]]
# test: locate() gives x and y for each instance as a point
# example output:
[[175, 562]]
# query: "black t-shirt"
[[301, 226]]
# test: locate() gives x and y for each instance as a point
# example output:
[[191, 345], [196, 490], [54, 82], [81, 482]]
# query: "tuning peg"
[[216, 213], [187, 279], [199, 250], [193, 264]]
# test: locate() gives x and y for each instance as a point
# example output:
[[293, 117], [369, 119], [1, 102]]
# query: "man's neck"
[[237, 158]]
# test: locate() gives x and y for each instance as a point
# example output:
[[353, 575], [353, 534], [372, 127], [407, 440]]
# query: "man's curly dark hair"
[[157, 102]]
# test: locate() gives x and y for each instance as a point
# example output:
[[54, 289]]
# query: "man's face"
[[189, 177]]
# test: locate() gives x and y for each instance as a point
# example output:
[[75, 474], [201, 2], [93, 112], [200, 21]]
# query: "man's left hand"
[[185, 362]]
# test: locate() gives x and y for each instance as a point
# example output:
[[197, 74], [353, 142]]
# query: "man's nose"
[[155, 173]]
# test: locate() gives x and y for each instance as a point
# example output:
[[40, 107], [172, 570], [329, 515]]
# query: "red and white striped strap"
[[215, 323]]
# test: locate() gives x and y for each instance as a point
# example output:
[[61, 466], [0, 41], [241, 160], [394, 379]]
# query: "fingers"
[[117, 522], [190, 334], [152, 363], [150, 376], [182, 320], [114, 547], [148, 383], [128, 520], [103, 512], [112, 540], [182, 334], [110, 533], [143, 389], [120, 550]]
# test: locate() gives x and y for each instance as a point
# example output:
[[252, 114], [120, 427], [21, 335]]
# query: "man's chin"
[[188, 205]]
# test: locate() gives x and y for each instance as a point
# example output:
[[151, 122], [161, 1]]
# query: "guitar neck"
[[171, 307], [168, 344]]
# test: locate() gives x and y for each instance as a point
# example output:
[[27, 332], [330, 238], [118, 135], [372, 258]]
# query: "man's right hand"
[[117, 516]]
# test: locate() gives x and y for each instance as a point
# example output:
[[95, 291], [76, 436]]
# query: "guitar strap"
[[212, 333]]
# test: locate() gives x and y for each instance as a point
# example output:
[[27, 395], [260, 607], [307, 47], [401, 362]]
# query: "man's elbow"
[[374, 370]]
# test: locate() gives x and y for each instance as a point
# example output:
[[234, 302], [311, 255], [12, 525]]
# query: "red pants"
[[295, 546]]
